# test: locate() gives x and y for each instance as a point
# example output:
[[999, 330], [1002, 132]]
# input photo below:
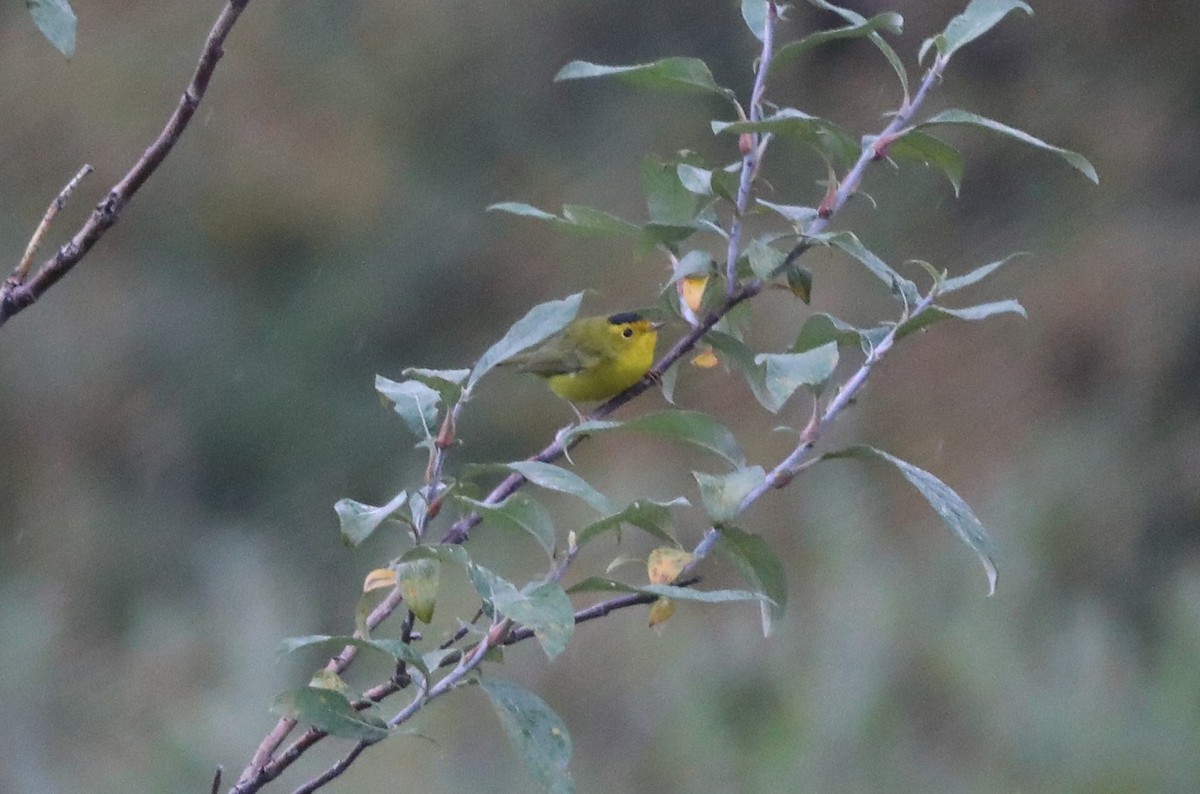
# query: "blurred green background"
[[179, 415]]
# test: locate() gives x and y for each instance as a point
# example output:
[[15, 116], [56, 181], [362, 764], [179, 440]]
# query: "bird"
[[593, 358]]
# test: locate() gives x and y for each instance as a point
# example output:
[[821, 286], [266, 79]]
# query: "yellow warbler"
[[593, 358]]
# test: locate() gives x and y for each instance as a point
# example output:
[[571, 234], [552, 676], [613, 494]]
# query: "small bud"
[[745, 143]]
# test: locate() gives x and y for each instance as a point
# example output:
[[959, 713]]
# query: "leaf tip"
[[992, 575]]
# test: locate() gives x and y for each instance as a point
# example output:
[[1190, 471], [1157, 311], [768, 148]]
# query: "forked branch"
[[18, 293]]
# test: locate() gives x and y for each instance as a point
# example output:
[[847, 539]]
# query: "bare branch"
[[753, 148], [60, 201], [14, 297]]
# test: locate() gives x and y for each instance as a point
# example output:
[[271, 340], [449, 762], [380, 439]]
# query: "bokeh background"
[[178, 416]]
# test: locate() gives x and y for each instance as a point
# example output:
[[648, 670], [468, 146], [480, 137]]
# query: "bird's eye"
[[628, 332]]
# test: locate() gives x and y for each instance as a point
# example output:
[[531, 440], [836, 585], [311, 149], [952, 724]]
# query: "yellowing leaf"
[[327, 679], [418, 581], [660, 610], [665, 564], [705, 360], [691, 289], [379, 579]]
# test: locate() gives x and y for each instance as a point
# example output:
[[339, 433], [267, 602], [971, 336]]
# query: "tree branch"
[[510, 637], [264, 769], [18, 294]]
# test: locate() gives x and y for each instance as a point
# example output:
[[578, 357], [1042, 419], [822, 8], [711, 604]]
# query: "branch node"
[[109, 210]]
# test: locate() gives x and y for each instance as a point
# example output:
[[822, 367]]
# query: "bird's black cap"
[[624, 317]]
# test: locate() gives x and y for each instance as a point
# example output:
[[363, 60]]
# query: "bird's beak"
[[656, 326]]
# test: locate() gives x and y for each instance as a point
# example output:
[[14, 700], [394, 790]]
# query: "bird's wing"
[[561, 354]]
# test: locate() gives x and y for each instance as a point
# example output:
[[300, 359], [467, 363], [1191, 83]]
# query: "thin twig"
[[786, 469], [60, 201], [334, 771], [752, 154], [16, 297]]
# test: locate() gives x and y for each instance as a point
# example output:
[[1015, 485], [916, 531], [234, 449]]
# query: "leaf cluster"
[[693, 207]]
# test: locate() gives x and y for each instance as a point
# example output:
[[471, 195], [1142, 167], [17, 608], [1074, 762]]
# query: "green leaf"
[[889, 54], [438, 657], [978, 274], [761, 567], [600, 584], [645, 514], [541, 322], [416, 403], [492, 588], [331, 712], [556, 478], [800, 282], [667, 384], [446, 382], [700, 181], [672, 74], [926, 149], [799, 216], [418, 582], [786, 372], [902, 288], [935, 314], [978, 18], [666, 235], [693, 263], [591, 221], [525, 210], [722, 494], [754, 12], [955, 116], [520, 512], [956, 513], [668, 202], [735, 354], [821, 329], [56, 21], [583, 221], [889, 21], [395, 649], [537, 734], [691, 427], [695, 180], [822, 134], [453, 554], [702, 596], [359, 520], [773, 378], [542, 606], [590, 427], [765, 261], [548, 611]]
